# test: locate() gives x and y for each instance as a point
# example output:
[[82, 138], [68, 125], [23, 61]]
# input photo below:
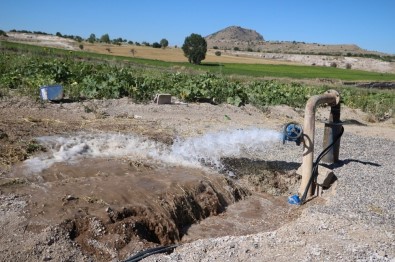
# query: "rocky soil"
[[82, 214]]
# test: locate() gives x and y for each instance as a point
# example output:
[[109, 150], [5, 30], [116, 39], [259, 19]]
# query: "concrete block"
[[161, 99], [325, 176]]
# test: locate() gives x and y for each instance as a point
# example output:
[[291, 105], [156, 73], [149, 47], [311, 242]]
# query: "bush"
[[156, 45], [218, 53], [333, 64], [81, 46], [2, 33], [348, 66], [236, 48], [215, 47], [164, 43], [250, 49]]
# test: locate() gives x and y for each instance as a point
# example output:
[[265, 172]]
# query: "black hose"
[[146, 253], [314, 171]]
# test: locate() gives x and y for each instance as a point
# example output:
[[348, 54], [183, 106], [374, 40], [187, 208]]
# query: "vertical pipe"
[[332, 130], [330, 97]]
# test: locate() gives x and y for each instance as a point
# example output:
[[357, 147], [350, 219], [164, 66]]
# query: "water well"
[[117, 194], [331, 144]]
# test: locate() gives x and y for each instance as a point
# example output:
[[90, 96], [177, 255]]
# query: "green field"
[[24, 68], [302, 72], [253, 70]]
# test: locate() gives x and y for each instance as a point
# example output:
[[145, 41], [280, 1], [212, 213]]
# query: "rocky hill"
[[238, 38], [235, 34]]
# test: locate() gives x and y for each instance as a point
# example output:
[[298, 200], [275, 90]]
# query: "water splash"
[[207, 149], [211, 148]]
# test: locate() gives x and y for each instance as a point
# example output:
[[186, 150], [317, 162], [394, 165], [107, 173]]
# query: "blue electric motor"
[[293, 132]]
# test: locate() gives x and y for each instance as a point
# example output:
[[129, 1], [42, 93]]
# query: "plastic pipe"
[[330, 97]]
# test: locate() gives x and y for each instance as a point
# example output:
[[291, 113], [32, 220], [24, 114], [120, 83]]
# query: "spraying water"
[[207, 149]]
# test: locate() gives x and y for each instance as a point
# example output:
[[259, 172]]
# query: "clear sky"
[[369, 24]]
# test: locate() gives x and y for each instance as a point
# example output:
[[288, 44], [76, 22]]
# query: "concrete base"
[[161, 99], [324, 179]]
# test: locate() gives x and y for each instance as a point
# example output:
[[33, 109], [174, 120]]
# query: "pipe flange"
[[337, 95]]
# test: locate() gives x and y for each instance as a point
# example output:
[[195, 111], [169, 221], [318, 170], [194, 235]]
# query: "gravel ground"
[[353, 221], [355, 224]]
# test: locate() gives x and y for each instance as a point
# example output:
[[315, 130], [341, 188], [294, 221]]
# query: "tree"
[[195, 48], [105, 38], [156, 45], [164, 43], [92, 38], [3, 33], [58, 34]]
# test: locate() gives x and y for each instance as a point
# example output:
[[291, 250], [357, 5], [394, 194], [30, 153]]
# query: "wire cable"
[[146, 253], [314, 172]]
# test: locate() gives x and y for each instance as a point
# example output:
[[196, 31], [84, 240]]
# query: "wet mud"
[[117, 207]]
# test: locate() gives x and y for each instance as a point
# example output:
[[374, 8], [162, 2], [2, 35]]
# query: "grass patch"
[[298, 72]]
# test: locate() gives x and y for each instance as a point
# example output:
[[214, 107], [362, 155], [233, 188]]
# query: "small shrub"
[[108, 50], [333, 64], [250, 49], [218, 53], [156, 45], [236, 48], [3, 33], [81, 46], [348, 66], [215, 47]]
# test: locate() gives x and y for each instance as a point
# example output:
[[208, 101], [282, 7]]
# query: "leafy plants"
[[24, 72]]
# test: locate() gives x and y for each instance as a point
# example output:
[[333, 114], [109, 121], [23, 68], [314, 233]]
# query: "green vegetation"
[[164, 43], [195, 48], [23, 69], [105, 39], [299, 72]]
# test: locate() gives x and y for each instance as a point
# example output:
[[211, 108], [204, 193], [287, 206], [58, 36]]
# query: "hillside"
[[247, 39], [236, 34]]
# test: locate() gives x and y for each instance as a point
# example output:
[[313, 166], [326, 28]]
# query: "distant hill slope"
[[249, 40], [235, 33]]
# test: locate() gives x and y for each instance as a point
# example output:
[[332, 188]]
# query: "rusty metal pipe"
[[330, 97], [332, 130]]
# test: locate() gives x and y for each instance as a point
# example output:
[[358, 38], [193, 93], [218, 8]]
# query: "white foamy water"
[[207, 149]]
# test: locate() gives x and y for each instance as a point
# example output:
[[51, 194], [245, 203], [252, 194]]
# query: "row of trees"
[[118, 41]]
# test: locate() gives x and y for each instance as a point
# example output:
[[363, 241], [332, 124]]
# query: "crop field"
[[86, 75], [170, 54]]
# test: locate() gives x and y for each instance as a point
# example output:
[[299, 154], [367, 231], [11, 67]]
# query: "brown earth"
[[109, 208]]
